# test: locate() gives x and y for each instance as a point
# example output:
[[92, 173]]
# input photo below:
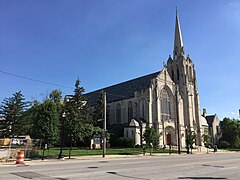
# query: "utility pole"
[[105, 125]]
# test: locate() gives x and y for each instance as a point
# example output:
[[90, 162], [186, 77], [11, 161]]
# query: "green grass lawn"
[[54, 152]]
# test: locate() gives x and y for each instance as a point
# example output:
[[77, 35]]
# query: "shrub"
[[126, 142], [223, 144], [115, 132]]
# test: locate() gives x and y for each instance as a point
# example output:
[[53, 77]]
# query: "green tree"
[[99, 111], [206, 139], [56, 96], [151, 136], [231, 132], [12, 110], [45, 122], [76, 116], [89, 131], [192, 139]]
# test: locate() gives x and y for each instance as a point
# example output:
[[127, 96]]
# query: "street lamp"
[[178, 125], [187, 139], [60, 156]]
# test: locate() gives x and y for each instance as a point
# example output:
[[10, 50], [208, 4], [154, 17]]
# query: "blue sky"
[[104, 42]]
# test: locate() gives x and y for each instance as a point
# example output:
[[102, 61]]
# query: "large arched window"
[[142, 108], [130, 111], [135, 110], [165, 105], [118, 113]]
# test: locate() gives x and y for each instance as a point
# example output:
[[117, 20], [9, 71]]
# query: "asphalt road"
[[207, 166]]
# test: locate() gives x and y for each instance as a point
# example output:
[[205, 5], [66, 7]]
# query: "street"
[[196, 166]]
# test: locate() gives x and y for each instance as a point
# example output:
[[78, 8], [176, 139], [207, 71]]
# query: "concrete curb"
[[99, 157]]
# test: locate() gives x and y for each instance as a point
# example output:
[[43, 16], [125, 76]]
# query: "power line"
[[35, 80]]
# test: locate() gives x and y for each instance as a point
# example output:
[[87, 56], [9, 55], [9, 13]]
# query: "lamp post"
[[187, 139], [178, 125], [60, 156]]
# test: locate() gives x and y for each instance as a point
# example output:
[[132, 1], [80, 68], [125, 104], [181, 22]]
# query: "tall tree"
[[99, 111], [11, 111], [45, 122], [75, 120]]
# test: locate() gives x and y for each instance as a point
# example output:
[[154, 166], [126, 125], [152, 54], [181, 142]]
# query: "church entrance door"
[[169, 139]]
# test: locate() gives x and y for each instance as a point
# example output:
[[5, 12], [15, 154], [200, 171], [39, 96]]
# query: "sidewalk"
[[74, 158], [12, 162]]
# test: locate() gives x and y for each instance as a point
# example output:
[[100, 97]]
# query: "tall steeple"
[[178, 42]]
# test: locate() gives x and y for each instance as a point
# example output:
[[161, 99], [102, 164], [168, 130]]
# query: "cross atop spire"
[[178, 42]]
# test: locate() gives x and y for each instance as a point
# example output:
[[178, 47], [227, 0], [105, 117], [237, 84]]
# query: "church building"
[[167, 100]]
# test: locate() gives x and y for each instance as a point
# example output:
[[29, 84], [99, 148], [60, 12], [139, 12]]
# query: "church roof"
[[124, 90], [134, 123], [210, 119]]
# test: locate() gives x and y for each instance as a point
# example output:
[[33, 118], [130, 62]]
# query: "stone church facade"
[[167, 100]]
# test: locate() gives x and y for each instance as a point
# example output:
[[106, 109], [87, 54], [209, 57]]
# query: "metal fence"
[[10, 147]]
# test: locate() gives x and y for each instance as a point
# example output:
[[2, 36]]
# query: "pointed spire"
[[178, 42]]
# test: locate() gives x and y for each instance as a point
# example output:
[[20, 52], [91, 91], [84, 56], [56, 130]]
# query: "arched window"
[[130, 111], [118, 113], [135, 111], [142, 108], [177, 74], [165, 105]]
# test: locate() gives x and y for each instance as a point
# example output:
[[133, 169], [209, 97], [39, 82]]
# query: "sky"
[[104, 42]]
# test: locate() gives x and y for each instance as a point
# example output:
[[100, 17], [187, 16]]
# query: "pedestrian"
[[215, 148]]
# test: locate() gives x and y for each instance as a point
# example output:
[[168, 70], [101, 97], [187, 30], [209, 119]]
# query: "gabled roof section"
[[210, 119], [124, 90]]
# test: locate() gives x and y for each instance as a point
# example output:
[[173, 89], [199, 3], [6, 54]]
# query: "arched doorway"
[[170, 136], [169, 139]]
